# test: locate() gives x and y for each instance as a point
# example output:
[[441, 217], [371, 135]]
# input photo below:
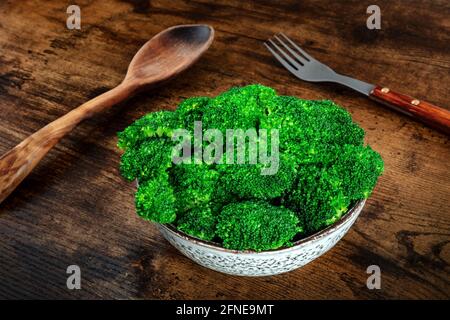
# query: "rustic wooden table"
[[75, 208]]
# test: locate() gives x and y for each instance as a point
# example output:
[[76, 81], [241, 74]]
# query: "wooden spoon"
[[161, 58]]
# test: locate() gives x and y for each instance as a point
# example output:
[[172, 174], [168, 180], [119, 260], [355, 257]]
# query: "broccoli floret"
[[221, 197], [199, 222], [246, 181], [256, 226], [317, 198], [359, 168], [155, 200], [312, 130], [324, 192], [150, 158], [155, 124], [241, 108], [191, 110], [194, 185]]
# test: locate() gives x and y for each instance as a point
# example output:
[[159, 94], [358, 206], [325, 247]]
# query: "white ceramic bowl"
[[265, 263]]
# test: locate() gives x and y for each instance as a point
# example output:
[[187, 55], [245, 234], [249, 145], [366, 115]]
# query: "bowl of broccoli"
[[250, 182]]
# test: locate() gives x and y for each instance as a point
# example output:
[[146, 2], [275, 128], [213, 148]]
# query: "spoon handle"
[[17, 163]]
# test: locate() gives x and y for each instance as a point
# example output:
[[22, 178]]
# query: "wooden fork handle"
[[16, 164], [423, 111]]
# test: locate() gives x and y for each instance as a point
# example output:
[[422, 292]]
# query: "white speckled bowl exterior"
[[266, 263]]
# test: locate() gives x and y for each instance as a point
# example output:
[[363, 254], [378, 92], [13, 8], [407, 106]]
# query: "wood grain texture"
[[17, 163], [436, 117], [75, 209]]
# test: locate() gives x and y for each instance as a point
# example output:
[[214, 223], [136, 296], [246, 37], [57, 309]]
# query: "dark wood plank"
[[75, 209]]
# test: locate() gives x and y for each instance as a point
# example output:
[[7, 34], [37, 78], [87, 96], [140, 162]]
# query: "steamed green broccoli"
[[191, 110], [155, 124], [317, 198], [155, 200], [313, 131], [241, 108], [194, 185], [256, 226], [359, 169], [322, 168], [324, 192], [246, 181], [199, 222], [150, 158]]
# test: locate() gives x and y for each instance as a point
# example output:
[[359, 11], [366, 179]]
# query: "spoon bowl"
[[168, 53]]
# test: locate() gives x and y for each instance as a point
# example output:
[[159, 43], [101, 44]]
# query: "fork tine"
[[303, 52], [280, 59], [286, 56], [300, 58]]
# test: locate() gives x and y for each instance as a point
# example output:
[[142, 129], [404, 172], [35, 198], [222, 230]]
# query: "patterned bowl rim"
[[322, 233]]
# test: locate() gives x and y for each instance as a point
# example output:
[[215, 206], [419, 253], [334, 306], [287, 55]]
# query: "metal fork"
[[305, 67]]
